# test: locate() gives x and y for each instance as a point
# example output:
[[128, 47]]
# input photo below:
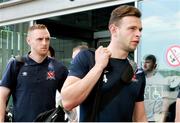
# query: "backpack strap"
[[125, 77], [19, 62], [19, 58], [92, 58], [97, 98]]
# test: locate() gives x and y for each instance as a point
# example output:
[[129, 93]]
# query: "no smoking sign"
[[173, 56]]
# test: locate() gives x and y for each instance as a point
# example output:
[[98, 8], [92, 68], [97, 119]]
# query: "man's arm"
[[4, 95], [177, 119], [75, 90], [139, 114]]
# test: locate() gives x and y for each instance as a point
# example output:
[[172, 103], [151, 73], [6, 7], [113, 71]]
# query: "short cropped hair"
[[36, 26], [123, 11], [80, 47], [151, 57]]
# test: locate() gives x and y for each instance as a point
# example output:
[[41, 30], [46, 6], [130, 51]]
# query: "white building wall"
[[27, 10]]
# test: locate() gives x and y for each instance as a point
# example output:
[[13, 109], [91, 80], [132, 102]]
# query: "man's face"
[[148, 66], [129, 32], [39, 40]]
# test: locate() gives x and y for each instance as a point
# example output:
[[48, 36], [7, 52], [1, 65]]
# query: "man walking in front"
[[121, 98]]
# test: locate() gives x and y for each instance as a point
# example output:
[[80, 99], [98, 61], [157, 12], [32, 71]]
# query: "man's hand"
[[102, 56]]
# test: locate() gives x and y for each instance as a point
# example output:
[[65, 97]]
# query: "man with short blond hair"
[[33, 81]]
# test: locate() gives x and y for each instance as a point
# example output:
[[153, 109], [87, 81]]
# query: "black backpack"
[[53, 115], [170, 117]]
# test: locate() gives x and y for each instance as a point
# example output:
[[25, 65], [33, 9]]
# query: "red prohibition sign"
[[173, 56]]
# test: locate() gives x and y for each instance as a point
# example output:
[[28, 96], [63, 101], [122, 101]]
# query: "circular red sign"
[[173, 56]]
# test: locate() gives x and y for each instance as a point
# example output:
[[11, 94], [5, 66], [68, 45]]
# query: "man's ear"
[[28, 40], [112, 28], [155, 65]]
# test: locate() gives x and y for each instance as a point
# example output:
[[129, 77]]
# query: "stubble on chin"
[[131, 49]]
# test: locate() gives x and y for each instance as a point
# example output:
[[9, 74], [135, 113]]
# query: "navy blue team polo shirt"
[[116, 107], [35, 88]]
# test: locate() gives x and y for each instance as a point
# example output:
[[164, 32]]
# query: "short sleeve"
[[8, 78], [61, 71], [81, 64], [64, 74], [142, 83]]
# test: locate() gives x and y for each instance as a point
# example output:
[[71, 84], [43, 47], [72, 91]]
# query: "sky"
[[161, 29]]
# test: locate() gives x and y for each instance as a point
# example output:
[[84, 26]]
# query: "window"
[[1, 1], [160, 37], [12, 42]]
